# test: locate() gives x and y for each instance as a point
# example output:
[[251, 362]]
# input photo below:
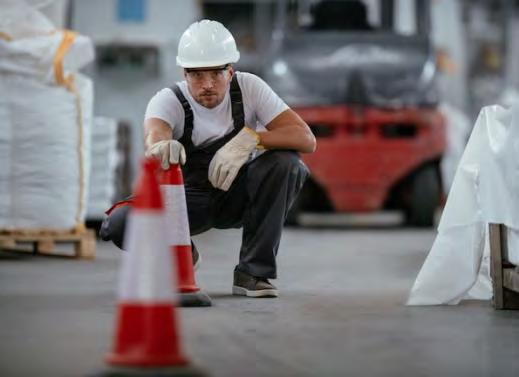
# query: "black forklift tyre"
[[424, 198]]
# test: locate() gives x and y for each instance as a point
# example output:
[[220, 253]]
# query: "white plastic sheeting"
[[484, 191], [458, 129], [45, 116], [513, 246], [104, 159]]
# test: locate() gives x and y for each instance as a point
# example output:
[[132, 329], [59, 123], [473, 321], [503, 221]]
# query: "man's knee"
[[288, 163], [279, 170], [112, 228]]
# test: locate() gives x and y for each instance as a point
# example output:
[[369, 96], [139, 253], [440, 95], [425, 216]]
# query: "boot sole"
[[240, 291]]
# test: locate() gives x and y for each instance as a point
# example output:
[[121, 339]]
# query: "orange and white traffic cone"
[[146, 336], [172, 187]]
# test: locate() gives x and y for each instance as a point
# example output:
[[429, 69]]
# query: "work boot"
[[251, 286], [197, 258]]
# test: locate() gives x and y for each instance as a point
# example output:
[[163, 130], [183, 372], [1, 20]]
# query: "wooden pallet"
[[44, 242], [505, 276]]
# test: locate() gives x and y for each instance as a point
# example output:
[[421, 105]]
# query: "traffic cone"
[[172, 188], [146, 336]]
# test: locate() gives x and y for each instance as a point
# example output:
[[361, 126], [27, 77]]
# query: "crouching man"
[[237, 142]]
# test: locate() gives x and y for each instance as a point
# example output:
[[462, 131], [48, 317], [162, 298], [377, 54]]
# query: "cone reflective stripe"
[[145, 275], [172, 187], [146, 334]]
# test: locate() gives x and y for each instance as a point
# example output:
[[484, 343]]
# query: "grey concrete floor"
[[340, 313]]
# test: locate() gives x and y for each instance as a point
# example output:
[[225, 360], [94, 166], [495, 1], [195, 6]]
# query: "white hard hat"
[[206, 44]]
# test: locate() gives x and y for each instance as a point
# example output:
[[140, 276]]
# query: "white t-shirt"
[[260, 105]]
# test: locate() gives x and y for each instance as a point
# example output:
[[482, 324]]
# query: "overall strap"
[[185, 140], [238, 115]]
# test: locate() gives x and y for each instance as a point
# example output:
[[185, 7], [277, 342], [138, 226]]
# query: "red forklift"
[[368, 92]]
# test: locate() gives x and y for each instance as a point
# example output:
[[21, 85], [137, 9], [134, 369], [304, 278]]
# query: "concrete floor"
[[340, 313]]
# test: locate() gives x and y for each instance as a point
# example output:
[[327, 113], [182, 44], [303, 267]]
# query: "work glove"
[[228, 160], [168, 152]]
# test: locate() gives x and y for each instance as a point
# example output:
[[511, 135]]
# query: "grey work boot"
[[251, 286]]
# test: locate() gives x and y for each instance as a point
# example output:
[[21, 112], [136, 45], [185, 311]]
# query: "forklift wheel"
[[424, 198]]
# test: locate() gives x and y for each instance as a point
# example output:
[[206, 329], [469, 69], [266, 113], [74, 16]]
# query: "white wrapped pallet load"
[[484, 191], [458, 131], [45, 116]]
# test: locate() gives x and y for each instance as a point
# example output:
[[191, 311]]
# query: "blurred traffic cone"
[[146, 336], [172, 187]]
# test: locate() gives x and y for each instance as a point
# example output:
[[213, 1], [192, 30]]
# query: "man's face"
[[208, 85]]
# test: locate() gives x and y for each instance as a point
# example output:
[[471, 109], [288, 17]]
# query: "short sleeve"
[[260, 98], [165, 106]]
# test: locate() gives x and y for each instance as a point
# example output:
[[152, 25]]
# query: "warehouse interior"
[[399, 255]]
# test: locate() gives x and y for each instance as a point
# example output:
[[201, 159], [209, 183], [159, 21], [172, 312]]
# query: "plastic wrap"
[[484, 191], [458, 129], [326, 68]]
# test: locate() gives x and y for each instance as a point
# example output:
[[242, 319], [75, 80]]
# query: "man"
[[237, 143]]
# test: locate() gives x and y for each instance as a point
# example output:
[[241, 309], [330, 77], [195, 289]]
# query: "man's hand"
[[228, 160], [168, 152]]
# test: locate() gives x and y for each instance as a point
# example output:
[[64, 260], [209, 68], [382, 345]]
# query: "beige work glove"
[[228, 160], [168, 152]]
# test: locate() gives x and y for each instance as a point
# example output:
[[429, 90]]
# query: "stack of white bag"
[[104, 159], [485, 190], [45, 115]]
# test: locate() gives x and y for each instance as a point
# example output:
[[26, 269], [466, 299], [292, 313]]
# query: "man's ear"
[[185, 73], [231, 72]]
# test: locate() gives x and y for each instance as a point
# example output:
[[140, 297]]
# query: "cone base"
[[146, 336], [195, 299], [116, 359], [188, 288], [184, 264], [181, 371]]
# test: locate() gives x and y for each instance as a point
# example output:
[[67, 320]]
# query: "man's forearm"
[[288, 131], [153, 137], [292, 137], [156, 130]]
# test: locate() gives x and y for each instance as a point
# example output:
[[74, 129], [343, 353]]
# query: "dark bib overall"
[[258, 199], [195, 170]]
